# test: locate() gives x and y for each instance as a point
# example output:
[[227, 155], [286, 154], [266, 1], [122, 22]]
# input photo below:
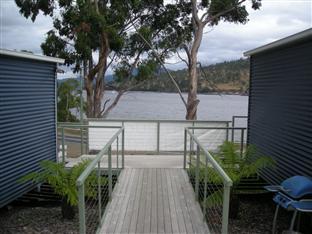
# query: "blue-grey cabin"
[[280, 105], [27, 118]]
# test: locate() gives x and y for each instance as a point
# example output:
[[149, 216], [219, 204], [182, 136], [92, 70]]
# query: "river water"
[[155, 105]]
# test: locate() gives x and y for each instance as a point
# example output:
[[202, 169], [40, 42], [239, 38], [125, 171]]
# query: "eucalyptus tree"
[[197, 16], [92, 35]]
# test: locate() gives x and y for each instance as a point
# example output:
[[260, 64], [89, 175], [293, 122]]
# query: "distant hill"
[[225, 77]]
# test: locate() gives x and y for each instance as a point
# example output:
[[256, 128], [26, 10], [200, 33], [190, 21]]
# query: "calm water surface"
[[154, 105]]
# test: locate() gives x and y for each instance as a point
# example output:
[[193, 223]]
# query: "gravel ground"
[[255, 217], [35, 220]]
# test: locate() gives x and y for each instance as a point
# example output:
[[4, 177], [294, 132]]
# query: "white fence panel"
[[98, 137], [172, 135], [145, 136], [211, 139], [140, 136]]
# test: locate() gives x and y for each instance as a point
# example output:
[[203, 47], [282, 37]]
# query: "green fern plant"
[[237, 166], [63, 180]]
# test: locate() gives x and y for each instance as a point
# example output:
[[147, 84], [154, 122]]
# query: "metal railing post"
[[87, 141], [81, 209], [227, 131], [226, 207], [63, 146], [99, 192], [158, 136], [205, 188], [197, 172], [242, 142], [81, 141], [233, 125], [190, 151], [123, 149], [110, 177], [185, 147], [117, 151]]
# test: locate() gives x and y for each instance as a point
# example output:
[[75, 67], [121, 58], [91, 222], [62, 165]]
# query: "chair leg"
[[293, 219], [275, 219]]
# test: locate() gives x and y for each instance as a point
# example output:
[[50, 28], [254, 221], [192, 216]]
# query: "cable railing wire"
[[95, 184], [210, 182]]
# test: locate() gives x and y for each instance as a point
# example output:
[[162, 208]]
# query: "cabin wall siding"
[[280, 109], [27, 120]]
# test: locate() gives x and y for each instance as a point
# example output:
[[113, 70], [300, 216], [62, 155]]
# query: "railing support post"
[[205, 187], [197, 172], [117, 151], [233, 126], [110, 176], [226, 207], [185, 147], [158, 136], [81, 141], [81, 205], [99, 192], [63, 146], [227, 131], [123, 149], [242, 142]]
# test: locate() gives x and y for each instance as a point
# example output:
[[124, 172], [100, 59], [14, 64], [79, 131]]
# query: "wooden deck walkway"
[[153, 201]]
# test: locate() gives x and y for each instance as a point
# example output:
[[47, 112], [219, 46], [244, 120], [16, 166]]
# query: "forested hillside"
[[226, 77]]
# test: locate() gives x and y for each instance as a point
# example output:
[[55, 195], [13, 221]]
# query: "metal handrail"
[[227, 182], [225, 177], [60, 125], [88, 170], [159, 120], [97, 158], [234, 117]]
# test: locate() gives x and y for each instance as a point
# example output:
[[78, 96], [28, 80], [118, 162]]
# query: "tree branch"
[[162, 64], [105, 112], [212, 18], [206, 77], [195, 12], [188, 54], [182, 59]]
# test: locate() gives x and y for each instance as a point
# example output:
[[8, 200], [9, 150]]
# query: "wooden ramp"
[[153, 201]]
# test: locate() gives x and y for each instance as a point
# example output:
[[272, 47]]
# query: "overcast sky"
[[276, 19]]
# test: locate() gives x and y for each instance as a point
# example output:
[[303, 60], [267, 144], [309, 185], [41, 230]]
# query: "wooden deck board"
[[153, 201]]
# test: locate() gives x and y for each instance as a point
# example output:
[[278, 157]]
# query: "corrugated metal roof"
[[31, 56], [306, 34]]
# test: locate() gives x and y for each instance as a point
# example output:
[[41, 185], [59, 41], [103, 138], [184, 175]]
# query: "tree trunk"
[[95, 92], [89, 89], [98, 93], [192, 101]]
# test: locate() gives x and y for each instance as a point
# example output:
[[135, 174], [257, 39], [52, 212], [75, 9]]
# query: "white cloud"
[[276, 19], [19, 33]]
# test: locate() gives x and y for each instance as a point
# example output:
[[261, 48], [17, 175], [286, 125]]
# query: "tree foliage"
[[68, 99], [94, 34], [196, 16]]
